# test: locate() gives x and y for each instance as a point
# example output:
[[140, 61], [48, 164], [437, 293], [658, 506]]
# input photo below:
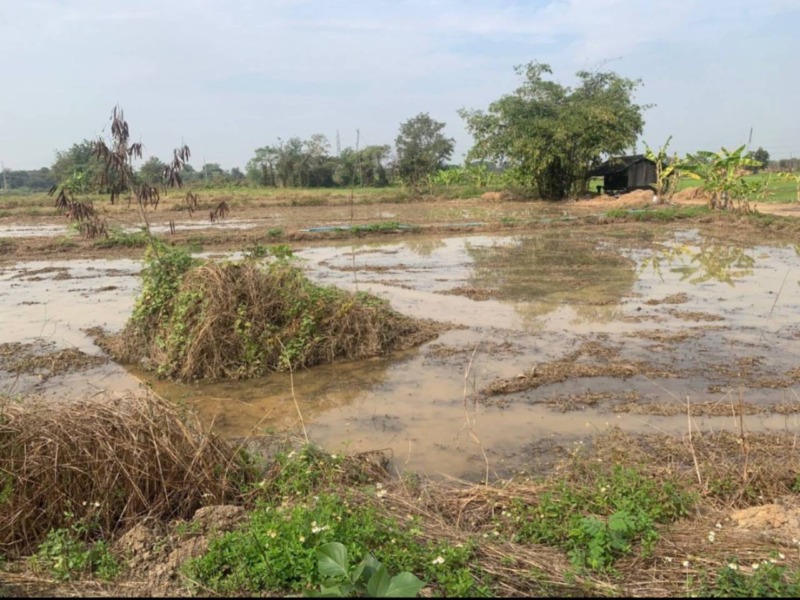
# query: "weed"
[[6, 246], [303, 508], [275, 232], [601, 520], [66, 555], [369, 578], [766, 579], [122, 239]]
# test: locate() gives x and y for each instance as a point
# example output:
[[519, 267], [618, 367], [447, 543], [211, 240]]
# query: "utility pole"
[[750, 139]]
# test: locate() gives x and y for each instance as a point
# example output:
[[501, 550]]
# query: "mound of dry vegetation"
[[233, 320], [108, 463]]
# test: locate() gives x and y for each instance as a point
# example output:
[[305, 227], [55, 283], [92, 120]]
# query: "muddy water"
[[718, 322]]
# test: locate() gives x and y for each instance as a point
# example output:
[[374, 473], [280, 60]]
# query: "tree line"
[[544, 136]]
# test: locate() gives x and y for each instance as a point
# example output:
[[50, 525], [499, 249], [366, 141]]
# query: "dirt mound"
[[691, 193], [772, 520], [497, 196], [237, 320], [637, 196]]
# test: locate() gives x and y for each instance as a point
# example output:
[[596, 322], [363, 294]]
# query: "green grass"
[[663, 213], [302, 509], [602, 518]]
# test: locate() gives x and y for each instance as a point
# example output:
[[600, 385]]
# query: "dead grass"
[[238, 320], [108, 463]]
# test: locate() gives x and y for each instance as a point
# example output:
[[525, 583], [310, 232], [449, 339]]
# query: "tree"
[[78, 167], [421, 148], [151, 171], [761, 156], [551, 136]]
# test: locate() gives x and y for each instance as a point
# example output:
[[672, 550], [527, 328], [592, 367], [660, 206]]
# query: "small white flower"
[[772, 561], [711, 537], [733, 566], [781, 555], [718, 525], [392, 541], [495, 533], [755, 566], [686, 563], [97, 505], [83, 503], [273, 534], [439, 560], [668, 559], [378, 486], [381, 493], [302, 539], [603, 490], [291, 454], [334, 457]]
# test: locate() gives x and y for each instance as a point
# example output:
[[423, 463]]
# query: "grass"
[[661, 213], [614, 520]]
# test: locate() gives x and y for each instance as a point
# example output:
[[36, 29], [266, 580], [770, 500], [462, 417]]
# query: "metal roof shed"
[[624, 173]]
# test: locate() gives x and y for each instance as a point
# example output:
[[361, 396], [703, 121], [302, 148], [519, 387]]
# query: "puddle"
[[714, 321]]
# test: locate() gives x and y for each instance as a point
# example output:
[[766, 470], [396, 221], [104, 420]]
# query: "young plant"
[[722, 176], [666, 171], [368, 578]]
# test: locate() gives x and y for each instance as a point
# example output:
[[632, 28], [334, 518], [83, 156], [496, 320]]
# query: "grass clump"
[[232, 320], [108, 464]]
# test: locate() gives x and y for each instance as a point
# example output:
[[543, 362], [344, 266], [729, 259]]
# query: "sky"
[[227, 77]]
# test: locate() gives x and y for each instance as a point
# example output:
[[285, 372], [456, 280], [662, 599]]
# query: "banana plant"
[[722, 175], [667, 171]]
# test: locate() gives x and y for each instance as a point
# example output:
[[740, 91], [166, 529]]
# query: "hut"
[[625, 173]]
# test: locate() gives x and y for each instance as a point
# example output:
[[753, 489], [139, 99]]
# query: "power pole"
[[750, 139]]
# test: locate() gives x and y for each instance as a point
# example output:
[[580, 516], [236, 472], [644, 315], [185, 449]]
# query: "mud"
[[553, 324]]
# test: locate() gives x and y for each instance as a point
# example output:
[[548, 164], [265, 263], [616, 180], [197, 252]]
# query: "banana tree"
[[722, 176], [667, 170]]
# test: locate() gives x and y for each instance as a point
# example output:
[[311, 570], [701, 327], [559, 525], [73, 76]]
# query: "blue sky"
[[228, 77]]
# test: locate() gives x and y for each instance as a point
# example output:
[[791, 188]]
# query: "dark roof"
[[617, 164]]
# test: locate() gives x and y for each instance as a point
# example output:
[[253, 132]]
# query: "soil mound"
[[637, 196], [691, 193], [233, 320]]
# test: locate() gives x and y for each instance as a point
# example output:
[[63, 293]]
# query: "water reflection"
[[539, 273], [711, 261], [236, 407]]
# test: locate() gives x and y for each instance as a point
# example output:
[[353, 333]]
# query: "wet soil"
[[621, 323]]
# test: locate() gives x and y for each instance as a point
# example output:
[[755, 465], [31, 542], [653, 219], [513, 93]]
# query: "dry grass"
[[239, 320], [108, 463]]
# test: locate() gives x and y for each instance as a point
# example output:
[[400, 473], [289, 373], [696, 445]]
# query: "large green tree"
[[78, 167], [552, 135], [422, 148], [151, 171]]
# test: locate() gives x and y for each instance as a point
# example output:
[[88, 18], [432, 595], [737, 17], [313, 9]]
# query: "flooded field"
[[555, 335]]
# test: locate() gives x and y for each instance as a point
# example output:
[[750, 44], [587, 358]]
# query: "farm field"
[[577, 339]]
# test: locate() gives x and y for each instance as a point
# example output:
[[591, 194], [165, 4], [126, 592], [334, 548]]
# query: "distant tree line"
[[543, 136]]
